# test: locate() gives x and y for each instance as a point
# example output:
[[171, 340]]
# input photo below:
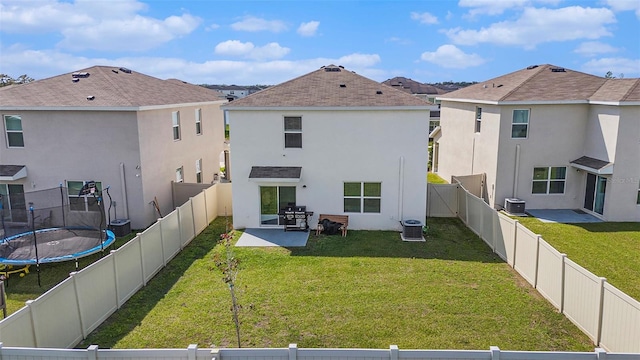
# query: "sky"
[[269, 42]]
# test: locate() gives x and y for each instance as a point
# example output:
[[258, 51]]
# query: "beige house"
[[122, 129], [334, 142], [553, 137]]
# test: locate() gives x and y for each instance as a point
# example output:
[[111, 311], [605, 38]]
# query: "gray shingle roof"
[[10, 170], [110, 87], [549, 83], [275, 172], [412, 86], [329, 86]]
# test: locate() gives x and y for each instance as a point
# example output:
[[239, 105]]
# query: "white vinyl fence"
[[66, 314], [294, 353], [607, 315]]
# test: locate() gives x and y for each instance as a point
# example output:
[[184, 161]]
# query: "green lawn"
[[607, 249], [435, 179], [368, 290]]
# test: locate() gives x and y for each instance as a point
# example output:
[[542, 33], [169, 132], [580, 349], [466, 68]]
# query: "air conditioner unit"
[[412, 230], [514, 206]]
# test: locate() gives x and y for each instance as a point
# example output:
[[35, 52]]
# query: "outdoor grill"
[[296, 218]]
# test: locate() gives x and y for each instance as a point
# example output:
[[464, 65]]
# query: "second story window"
[[293, 132], [175, 116], [520, 124], [478, 118], [199, 171], [198, 121], [179, 176], [13, 128]]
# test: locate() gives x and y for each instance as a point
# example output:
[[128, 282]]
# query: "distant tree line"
[[456, 83], [6, 80]]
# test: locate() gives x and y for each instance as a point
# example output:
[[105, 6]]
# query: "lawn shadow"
[[609, 227], [131, 314], [446, 239]]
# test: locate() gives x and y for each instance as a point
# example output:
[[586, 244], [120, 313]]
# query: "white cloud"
[[592, 48], [449, 56], [250, 51], [628, 67], [98, 25], [134, 34], [624, 5], [212, 27], [424, 18], [398, 40], [254, 24], [309, 28], [537, 26], [497, 7]]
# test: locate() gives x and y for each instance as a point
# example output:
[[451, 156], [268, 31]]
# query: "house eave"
[[107, 108], [20, 174], [327, 108]]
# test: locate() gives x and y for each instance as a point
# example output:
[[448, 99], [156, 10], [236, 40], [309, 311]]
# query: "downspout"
[[123, 186], [401, 189], [516, 171], [473, 153]]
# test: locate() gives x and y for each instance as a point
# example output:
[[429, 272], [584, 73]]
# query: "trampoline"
[[53, 245]]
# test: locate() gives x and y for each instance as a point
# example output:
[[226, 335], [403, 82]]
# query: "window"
[[13, 206], [520, 124], [362, 197], [478, 118], [176, 124], [179, 177], [198, 121], [293, 132], [13, 127], [81, 201], [549, 180], [199, 171]]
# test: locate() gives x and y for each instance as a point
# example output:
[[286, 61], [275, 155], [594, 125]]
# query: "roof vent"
[[90, 97], [341, 67], [75, 80], [343, 85], [558, 69], [530, 67], [332, 69], [80, 75], [125, 70], [114, 70], [500, 85], [379, 92]]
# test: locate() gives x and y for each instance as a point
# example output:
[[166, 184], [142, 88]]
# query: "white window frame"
[[180, 174], [478, 123], [7, 131], [199, 171], [292, 131], [86, 197], [198, 121], [362, 197], [175, 119], [513, 113], [548, 180]]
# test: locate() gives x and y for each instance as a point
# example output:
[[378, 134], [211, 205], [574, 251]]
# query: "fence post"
[[495, 352], [34, 321], [600, 312], [394, 352], [563, 258], [79, 307], [293, 351], [515, 242], [601, 354], [164, 259], [193, 218], [144, 276], [115, 277], [215, 354], [92, 352], [535, 277], [192, 350]]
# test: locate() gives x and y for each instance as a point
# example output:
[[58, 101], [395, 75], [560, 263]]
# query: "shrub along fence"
[[67, 313], [293, 353], [607, 315]]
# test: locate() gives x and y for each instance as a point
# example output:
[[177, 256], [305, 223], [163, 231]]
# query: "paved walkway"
[[565, 216], [272, 237]]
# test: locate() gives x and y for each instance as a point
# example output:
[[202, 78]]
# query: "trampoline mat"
[[52, 243]]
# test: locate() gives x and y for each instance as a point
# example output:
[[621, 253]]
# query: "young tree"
[[228, 264]]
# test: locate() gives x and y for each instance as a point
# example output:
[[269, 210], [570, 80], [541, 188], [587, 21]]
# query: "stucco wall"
[[338, 147], [160, 155], [78, 146]]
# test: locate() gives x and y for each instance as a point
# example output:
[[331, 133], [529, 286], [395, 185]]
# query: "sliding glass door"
[[595, 193], [272, 200]]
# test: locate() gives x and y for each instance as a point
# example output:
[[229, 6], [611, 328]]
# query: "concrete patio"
[[565, 216], [257, 237]]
